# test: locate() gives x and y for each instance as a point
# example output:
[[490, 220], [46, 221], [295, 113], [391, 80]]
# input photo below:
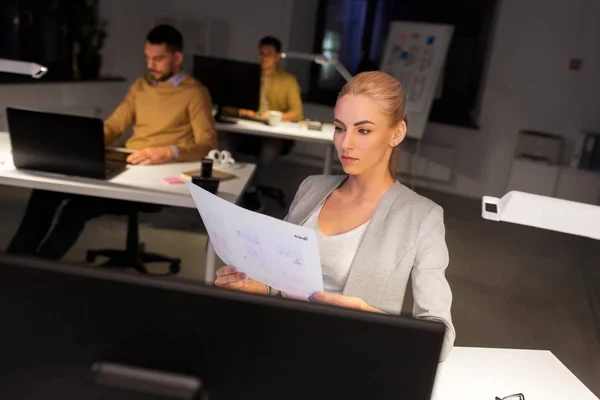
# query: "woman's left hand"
[[341, 301]]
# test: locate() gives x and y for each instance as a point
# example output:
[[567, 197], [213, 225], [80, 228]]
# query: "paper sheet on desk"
[[282, 255]]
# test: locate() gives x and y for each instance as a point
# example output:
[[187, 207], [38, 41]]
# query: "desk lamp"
[[22, 67], [320, 59], [544, 212]]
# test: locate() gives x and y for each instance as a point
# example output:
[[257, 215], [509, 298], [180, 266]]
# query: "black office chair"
[[275, 193], [252, 147], [134, 256]]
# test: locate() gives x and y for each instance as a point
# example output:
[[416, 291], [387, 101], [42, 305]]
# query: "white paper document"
[[280, 254]]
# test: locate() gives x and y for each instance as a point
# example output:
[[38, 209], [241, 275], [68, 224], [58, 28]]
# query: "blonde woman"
[[374, 233]]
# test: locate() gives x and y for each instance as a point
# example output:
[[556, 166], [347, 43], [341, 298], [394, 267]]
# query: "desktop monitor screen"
[[230, 83], [81, 332]]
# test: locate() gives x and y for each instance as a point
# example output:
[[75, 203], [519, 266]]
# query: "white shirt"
[[337, 252]]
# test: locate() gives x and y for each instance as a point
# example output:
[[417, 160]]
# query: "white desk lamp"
[[320, 59], [22, 67], [544, 212]]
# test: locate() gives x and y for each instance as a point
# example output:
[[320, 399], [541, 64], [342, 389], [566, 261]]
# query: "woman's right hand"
[[229, 277]]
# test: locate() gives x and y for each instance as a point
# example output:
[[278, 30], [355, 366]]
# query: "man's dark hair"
[[168, 35], [270, 41]]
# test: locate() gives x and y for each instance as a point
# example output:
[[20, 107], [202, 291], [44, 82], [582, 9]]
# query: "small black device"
[[206, 168], [79, 332], [231, 83], [59, 143], [210, 184]]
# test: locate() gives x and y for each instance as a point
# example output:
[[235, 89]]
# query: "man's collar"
[[176, 79]]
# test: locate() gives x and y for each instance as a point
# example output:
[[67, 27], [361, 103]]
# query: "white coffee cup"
[[275, 117]]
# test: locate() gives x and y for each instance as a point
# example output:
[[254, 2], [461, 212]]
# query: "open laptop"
[[62, 144]]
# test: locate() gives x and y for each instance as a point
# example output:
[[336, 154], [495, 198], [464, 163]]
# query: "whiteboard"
[[415, 54]]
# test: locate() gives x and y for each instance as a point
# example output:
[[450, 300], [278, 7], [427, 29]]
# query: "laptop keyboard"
[[255, 119], [235, 119], [113, 168]]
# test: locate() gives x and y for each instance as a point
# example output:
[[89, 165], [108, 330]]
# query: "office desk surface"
[[471, 373], [285, 130], [137, 183]]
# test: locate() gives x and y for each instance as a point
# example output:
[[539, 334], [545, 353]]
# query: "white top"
[[471, 373], [337, 252]]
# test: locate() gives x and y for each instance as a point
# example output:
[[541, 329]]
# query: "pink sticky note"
[[172, 180]]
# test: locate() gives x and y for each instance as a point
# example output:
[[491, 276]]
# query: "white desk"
[[137, 183], [286, 130], [471, 373]]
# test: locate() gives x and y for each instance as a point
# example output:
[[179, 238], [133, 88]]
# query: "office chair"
[[275, 193], [135, 256]]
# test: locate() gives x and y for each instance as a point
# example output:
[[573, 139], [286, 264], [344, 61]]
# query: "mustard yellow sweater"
[[283, 93], [166, 115]]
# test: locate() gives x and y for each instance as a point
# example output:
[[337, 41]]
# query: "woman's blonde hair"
[[387, 92]]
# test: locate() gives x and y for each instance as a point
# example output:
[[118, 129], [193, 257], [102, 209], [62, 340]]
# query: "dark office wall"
[[38, 31], [9, 44]]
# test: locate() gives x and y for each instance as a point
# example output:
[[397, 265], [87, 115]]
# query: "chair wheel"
[[175, 267], [90, 256]]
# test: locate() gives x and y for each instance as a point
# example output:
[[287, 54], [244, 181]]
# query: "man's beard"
[[161, 78]]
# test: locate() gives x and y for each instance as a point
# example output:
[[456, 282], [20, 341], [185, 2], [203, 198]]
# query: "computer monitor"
[[230, 83], [79, 332]]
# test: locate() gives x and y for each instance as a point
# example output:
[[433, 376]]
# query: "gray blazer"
[[405, 238]]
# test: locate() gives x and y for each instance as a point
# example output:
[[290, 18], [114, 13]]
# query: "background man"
[[171, 114]]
